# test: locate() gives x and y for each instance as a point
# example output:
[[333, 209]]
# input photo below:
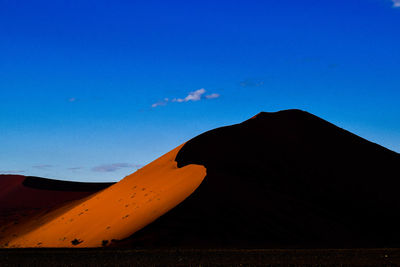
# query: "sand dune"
[[284, 180], [278, 180], [26, 202], [116, 212], [21, 192]]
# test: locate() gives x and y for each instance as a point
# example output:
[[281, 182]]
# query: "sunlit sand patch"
[[120, 210]]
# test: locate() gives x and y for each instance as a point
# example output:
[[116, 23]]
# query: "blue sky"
[[92, 90]]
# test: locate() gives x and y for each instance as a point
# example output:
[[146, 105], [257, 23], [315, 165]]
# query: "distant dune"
[[278, 180], [26, 192], [24, 199]]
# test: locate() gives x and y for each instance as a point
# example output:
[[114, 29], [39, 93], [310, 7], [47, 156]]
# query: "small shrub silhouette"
[[76, 242], [104, 243]]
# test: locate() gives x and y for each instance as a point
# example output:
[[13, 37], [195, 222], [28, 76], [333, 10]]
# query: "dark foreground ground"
[[200, 257]]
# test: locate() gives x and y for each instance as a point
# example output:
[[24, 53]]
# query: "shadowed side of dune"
[[284, 179], [34, 192], [58, 185]]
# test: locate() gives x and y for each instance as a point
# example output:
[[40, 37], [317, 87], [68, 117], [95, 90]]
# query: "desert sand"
[[114, 213], [26, 200], [286, 179], [18, 192]]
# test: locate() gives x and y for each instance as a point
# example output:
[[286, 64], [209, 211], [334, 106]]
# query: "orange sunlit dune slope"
[[118, 211]]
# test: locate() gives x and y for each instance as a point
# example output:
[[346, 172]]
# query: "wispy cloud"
[[192, 96], [75, 168], [43, 166], [396, 3], [251, 83], [114, 167], [211, 96], [72, 99], [160, 103], [12, 171]]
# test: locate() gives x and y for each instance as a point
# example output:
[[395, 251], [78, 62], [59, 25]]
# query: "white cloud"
[[192, 96], [160, 103], [396, 3], [212, 96], [114, 167]]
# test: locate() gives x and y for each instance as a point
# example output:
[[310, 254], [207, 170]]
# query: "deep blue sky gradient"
[[78, 78]]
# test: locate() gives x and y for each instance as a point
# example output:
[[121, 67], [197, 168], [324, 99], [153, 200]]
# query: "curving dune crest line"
[[118, 211]]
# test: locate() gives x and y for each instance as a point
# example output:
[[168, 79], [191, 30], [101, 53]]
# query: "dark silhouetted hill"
[[283, 179]]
